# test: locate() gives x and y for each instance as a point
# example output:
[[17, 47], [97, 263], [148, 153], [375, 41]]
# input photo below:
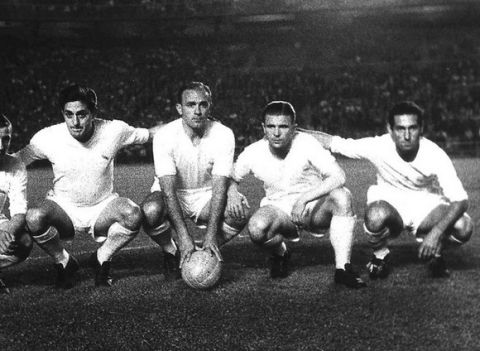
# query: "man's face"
[[406, 133], [5, 138], [79, 120], [279, 132], [195, 108]]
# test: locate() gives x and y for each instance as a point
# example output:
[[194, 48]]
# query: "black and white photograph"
[[250, 175]]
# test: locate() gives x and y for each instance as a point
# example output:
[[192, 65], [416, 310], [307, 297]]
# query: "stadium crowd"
[[348, 94]]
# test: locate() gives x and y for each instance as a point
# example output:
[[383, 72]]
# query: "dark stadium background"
[[342, 63]]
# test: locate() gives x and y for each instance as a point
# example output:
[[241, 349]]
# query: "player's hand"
[[7, 243], [431, 245], [187, 247], [299, 213], [237, 204], [210, 244]]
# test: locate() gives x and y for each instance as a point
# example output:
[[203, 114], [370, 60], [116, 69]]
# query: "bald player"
[[193, 158], [82, 150]]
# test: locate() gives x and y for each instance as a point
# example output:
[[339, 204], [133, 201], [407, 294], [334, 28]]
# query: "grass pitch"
[[247, 311]]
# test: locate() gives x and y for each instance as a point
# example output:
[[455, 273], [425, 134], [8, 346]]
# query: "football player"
[[82, 150], [417, 190], [304, 188], [193, 158], [15, 243]]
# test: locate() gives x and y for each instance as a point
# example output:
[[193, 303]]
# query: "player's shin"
[[341, 237], [162, 235], [227, 233], [118, 236], [378, 241], [49, 241]]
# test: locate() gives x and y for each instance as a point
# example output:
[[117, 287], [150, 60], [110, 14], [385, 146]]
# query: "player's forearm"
[[217, 204], [324, 188], [173, 207]]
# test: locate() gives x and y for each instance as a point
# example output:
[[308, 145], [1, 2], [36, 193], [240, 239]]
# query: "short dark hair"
[[405, 108], [277, 108], [5, 122], [78, 93], [193, 86]]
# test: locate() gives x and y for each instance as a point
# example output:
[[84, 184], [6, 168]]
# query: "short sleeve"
[[18, 190], [163, 156], [36, 150], [448, 179], [242, 167], [223, 159], [132, 135]]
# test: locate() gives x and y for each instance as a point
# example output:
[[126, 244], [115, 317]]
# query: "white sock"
[[118, 236], [170, 247], [381, 253], [281, 249], [62, 258], [341, 237]]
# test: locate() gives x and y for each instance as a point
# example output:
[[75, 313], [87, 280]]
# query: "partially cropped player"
[[417, 190], [15, 243], [82, 150], [304, 189], [193, 158]]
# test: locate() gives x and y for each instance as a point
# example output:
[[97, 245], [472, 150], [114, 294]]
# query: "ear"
[[389, 128], [264, 129], [179, 108]]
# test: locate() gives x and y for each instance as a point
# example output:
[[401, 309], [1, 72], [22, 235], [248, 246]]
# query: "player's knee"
[[132, 216], [36, 219], [463, 229], [376, 216], [342, 200], [24, 247], [257, 229], [154, 213]]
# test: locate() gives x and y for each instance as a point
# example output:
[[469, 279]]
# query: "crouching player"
[[15, 243], [193, 158], [304, 189], [82, 150], [417, 191]]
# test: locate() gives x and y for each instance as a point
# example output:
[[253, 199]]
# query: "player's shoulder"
[[51, 132], [430, 147], [306, 142], [170, 129], [256, 147], [218, 128]]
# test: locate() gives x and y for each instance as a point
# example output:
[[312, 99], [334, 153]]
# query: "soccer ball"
[[202, 270]]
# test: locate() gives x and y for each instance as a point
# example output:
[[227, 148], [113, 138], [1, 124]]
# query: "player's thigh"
[[49, 213], [269, 220], [121, 210], [154, 209]]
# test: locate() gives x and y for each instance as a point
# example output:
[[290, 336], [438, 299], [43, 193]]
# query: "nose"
[[198, 110], [76, 120], [407, 135], [276, 131]]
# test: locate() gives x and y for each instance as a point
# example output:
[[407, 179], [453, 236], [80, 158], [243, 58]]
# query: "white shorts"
[[286, 204], [192, 201], [83, 217], [413, 206]]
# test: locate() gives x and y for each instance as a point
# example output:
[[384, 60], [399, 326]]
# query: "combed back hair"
[[405, 108], [193, 86], [5, 122], [78, 93], [279, 108]]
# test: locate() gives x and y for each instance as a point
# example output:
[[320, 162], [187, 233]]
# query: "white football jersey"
[[193, 165], [13, 185], [83, 172], [305, 165], [431, 170]]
